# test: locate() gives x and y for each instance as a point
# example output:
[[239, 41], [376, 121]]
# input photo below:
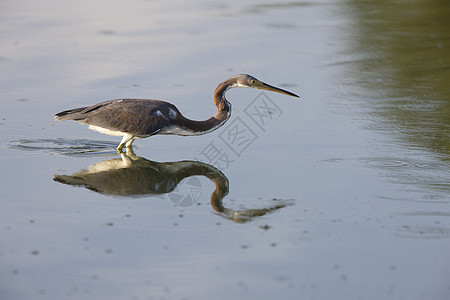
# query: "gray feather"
[[134, 116]]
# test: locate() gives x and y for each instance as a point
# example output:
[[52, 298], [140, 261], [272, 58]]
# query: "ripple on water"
[[423, 232], [386, 162], [76, 147]]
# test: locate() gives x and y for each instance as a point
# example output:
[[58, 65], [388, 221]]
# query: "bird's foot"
[[119, 149]]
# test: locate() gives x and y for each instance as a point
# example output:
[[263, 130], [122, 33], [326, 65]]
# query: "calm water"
[[343, 194]]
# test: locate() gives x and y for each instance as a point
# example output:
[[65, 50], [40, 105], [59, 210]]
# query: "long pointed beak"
[[264, 86]]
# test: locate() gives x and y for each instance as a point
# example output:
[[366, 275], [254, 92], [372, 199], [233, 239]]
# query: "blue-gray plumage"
[[140, 118]]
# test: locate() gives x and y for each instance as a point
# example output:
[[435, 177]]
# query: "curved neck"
[[192, 127]]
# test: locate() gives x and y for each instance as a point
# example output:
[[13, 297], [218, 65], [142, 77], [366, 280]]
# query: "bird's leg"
[[128, 144], [131, 154], [125, 139], [125, 159]]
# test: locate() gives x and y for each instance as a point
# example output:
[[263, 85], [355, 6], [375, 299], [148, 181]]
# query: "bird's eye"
[[253, 81]]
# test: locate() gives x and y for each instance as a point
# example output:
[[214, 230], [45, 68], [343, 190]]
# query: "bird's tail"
[[71, 114], [72, 180]]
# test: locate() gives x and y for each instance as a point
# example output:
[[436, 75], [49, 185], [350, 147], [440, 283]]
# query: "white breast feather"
[[178, 131], [106, 131]]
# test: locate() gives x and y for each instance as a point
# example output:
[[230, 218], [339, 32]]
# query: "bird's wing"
[[134, 116]]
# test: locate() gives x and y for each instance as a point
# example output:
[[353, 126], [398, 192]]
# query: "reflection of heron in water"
[[141, 118], [131, 175]]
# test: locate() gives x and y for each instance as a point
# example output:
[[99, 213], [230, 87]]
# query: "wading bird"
[[141, 118]]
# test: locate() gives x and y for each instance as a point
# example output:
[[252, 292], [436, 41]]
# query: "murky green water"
[[343, 194]]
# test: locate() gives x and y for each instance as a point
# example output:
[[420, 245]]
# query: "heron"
[[141, 118]]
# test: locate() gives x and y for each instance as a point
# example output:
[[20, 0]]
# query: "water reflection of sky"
[[362, 157]]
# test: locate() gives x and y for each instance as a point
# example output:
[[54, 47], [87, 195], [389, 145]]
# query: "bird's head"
[[248, 81]]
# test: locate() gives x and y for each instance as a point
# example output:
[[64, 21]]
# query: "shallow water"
[[343, 194]]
